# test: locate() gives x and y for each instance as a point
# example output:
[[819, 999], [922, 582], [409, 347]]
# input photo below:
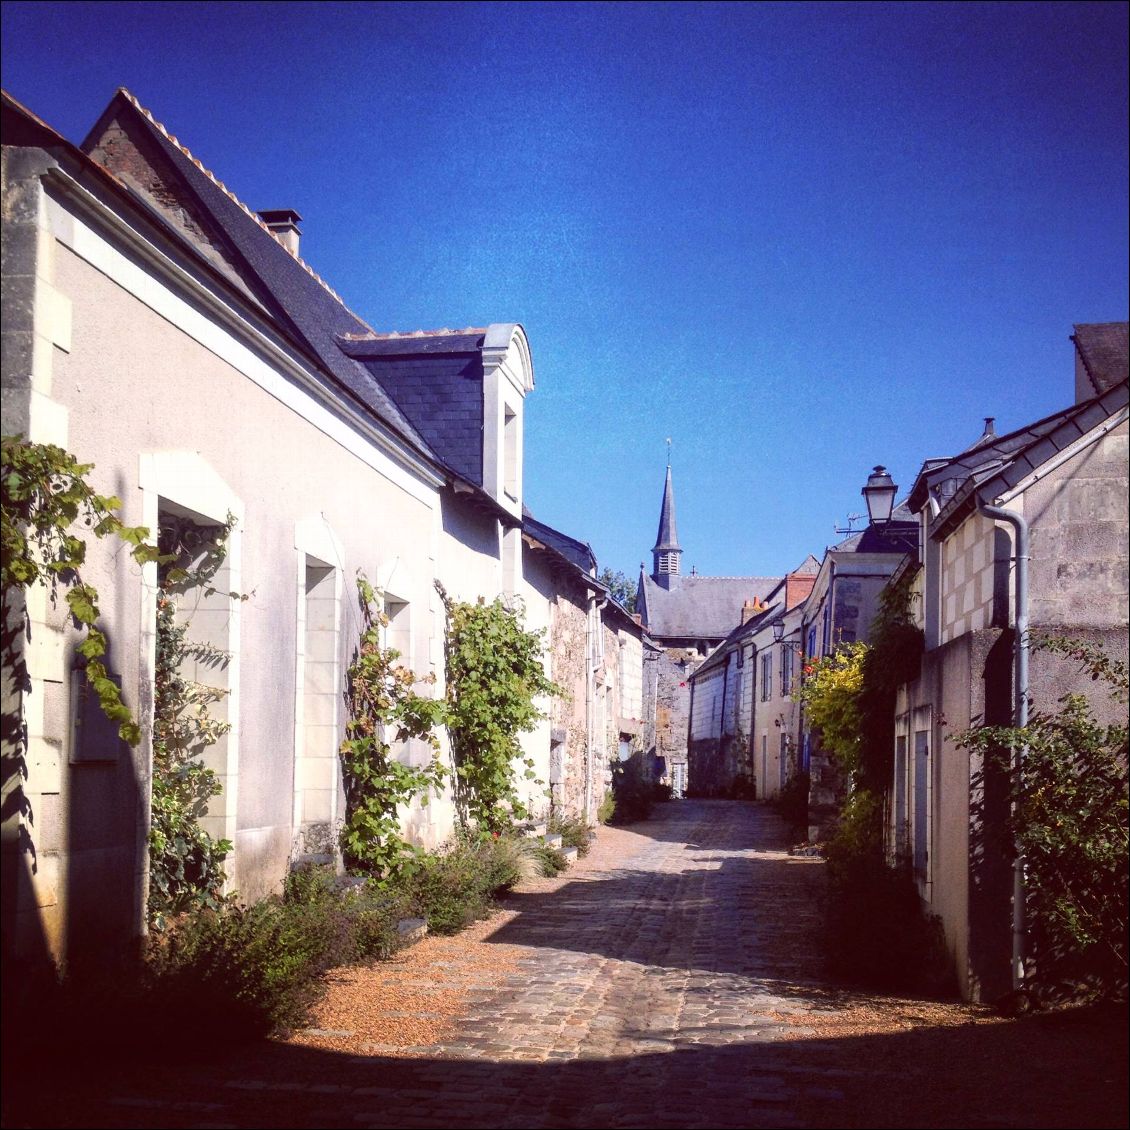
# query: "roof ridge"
[[172, 140], [395, 335]]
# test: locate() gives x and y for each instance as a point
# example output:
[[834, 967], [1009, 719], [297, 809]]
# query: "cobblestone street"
[[671, 979]]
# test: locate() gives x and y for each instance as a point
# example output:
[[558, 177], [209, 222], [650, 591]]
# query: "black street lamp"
[[880, 495]]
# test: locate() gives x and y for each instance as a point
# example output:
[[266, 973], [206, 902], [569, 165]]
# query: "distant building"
[[687, 617], [743, 722]]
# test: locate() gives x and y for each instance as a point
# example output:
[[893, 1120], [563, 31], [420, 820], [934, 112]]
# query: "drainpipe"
[[595, 606], [1021, 716]]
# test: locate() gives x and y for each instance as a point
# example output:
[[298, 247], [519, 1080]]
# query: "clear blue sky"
[[799, 239]]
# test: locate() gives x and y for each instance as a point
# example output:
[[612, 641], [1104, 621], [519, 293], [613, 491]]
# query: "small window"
[[786, 668], [510, 452]]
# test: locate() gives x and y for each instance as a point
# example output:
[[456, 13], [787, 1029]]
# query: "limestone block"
[[45, 766], [46, 880], [411, 930]]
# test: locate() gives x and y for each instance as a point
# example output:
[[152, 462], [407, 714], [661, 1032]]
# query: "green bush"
[[552, 862], [574, 831], [607, 808], [1070, 794], [660, 792], [455, 886]]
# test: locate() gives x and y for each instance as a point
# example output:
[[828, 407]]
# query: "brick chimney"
[[751, 608], [283, 225], [797, 588]]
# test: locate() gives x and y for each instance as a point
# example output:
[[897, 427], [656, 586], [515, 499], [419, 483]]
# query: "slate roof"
[[436, 379], [437, 408], [577, 553], [1104, 348], [988, 470], [741, 633], [701, 607], [667, 539]]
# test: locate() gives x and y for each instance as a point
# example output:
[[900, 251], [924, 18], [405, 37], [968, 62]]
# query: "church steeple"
[[665, 553]]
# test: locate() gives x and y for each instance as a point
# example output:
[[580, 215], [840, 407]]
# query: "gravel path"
[[671, 979]]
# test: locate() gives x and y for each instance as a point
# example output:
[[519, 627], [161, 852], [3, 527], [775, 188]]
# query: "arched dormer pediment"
[[507, 349]]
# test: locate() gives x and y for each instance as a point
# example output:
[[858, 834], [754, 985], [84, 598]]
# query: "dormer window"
[[510, 452]]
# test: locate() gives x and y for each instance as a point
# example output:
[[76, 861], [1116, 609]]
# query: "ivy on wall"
[[494, 677], [383, 708], [45, 496], [185, 862]]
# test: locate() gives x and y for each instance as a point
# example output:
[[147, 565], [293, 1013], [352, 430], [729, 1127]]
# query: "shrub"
[[660, 792], [574, 831], [552, 862], [1069, 793], [607, 808], [448, 889]]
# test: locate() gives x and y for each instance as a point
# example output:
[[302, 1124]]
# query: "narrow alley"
[[671, 979]]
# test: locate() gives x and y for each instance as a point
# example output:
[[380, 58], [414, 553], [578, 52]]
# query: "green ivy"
[[185, 863], [1069, 823], [494, 677], [44, 496], [383, 707]]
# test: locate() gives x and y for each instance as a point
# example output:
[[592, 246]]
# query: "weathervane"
[[668, 451]]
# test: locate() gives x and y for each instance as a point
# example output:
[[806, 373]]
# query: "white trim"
[[187, 479], [218, 328]]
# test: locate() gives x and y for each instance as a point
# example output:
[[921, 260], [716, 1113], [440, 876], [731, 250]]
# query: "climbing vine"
[[45, 495], [494, 677], [185, 863], [383, 708]]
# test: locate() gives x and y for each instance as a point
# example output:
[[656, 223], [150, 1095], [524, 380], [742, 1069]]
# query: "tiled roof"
[[701, 607], [1104, 348], [302, 301]]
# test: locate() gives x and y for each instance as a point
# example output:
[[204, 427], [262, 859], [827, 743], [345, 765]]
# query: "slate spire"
[[665, 553]]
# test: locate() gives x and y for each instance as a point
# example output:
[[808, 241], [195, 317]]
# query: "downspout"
[[1021, 717], [829, 619], [753, 689], [595, 605]]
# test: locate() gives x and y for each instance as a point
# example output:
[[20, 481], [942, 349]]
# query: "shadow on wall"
[[990, 847], [720, 767], [83, 907]]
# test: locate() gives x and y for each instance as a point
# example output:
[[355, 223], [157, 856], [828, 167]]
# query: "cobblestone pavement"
[[668, 980]]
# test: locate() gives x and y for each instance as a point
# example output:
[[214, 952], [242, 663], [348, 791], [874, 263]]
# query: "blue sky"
[[798, 239]]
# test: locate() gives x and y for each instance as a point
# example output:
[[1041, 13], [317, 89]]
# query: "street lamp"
[[880, 495], [778, 631]]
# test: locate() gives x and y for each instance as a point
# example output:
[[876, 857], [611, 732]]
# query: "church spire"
[[665, 553]]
